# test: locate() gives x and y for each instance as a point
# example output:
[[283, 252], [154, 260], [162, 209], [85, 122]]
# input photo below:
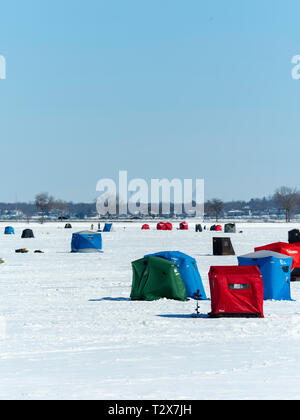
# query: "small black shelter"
[[222, 246], [294, 236], [27, 233], [198, 228]]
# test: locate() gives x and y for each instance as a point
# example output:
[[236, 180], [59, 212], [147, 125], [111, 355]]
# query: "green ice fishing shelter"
[[155, 278]]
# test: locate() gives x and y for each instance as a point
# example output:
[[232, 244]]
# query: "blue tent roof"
[[107, 227], [275, 269], [9, 230], [188, 269], [86, 241]]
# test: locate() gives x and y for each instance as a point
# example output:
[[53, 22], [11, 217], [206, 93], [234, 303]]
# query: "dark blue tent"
[[275, 269], [86, 241], [107, 227], [188, 269], [9, 230]]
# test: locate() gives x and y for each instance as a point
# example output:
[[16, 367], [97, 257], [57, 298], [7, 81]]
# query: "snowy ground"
[[73, 333]]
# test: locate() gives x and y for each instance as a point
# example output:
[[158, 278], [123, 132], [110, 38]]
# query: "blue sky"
[[161, 88]]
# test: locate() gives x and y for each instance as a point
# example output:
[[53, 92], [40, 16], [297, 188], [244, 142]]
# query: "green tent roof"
[[155, 278]]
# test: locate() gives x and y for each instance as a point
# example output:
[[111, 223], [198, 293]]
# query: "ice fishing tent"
[[217, 228], [292, 250], [294, 236], [222, 246], [145, 227], [198, 228], [276, 272], [164, 226], [155, 278], [68, 226], [188, 269], [161, 226], [236, 291], [107, 227], [27, 233], [9, 230], [86, 241], [183, 226], [230, 228]]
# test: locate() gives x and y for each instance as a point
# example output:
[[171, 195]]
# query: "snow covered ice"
[[72, 332]]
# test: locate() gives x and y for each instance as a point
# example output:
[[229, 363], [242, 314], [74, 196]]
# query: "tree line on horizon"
[[284, 198]]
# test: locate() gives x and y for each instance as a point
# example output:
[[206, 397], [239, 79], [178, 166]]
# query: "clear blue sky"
[[162, 88]]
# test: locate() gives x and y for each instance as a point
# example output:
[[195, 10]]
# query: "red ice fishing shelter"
[[161, 226], [236, 291], [145, 227], [169, 226], [216, 228], [292, 250], [183, 226], [164, 226]]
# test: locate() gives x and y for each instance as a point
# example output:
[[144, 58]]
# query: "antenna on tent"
[[197, 297]]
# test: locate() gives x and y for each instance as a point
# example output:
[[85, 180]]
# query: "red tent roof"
[[292, 250], [169, 226], [183, 226], [164, 226], [161, 226]]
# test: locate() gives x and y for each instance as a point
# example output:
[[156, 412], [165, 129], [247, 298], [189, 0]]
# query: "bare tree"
[[44, 203], [61, 206], [215, 207], [287, 199]]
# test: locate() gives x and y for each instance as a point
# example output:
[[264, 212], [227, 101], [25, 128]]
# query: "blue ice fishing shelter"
[[188, 269], [275, 269], [86, 241], [107, 227], [9, 230]]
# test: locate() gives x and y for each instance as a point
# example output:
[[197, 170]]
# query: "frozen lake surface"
[[73, 333]]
